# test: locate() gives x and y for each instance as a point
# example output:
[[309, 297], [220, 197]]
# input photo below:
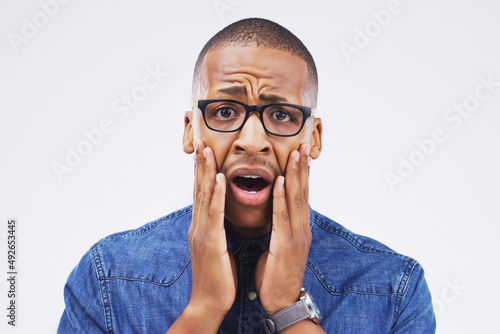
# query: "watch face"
[[311, 307]]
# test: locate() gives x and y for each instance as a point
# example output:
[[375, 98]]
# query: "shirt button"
[[252, 295]]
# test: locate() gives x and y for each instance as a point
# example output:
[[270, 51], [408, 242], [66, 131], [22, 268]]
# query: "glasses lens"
[[282, 120], [224, 116]]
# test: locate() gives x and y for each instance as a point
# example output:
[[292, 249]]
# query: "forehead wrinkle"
[[257, 80], [240, 90], [272, 98], [250, 70]]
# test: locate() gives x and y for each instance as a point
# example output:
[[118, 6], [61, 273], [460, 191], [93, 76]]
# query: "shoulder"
[[346, 262], [172, 220], [156, 252]]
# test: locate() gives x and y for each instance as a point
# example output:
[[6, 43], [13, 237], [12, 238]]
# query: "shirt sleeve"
[[84, 305], [415, 313]]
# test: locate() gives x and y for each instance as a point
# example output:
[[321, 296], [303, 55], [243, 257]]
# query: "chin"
[[249, 217]]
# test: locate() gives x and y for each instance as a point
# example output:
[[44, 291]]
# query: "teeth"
[[251, 192], [251, 177]]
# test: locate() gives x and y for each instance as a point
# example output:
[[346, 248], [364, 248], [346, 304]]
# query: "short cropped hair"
[[259, 32]]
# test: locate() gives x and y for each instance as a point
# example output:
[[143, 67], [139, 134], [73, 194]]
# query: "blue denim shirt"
[[139, 281]]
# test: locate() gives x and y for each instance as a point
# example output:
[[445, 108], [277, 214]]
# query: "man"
[[237, 260]]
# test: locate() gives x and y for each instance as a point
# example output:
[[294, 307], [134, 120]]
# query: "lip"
[[246, 197]]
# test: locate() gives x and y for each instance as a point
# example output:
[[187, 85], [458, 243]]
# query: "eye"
[[224, 112], [281, 115]]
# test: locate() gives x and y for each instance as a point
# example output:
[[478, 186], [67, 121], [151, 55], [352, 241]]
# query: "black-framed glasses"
[[278, 119]]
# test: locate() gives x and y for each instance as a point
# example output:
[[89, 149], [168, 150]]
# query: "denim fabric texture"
[[139, 281]]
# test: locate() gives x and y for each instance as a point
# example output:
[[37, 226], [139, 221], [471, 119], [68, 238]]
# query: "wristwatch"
[[303, 309]]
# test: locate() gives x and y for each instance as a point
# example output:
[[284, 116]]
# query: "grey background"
[[64, 79]]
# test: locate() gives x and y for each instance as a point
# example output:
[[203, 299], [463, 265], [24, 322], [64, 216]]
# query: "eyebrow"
[[240, 90]]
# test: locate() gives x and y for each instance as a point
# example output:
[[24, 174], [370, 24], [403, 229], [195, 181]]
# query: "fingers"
[[209, 188], [293, 193], [281, 218], [199, 168], [218, 202], [304, 164], [199, 171], [297, 189], [208, 181]]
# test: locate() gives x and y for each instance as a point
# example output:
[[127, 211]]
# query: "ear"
[[316, 139], [188, 137]]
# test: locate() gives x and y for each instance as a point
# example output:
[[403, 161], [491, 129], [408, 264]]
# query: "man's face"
[[251, 159]]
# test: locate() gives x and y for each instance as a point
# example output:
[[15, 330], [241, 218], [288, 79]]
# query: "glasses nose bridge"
[[254, 109]]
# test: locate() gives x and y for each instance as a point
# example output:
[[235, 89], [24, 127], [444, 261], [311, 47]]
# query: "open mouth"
[[250, 184]]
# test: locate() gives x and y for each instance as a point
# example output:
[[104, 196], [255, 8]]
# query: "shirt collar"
[[236, 242]]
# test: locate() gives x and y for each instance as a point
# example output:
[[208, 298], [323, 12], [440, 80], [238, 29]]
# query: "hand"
[[280, 270], [214, 269]]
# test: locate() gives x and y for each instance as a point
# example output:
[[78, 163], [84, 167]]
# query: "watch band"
[[286, 317]]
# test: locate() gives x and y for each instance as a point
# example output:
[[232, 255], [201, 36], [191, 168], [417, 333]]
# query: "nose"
[[252, 137]]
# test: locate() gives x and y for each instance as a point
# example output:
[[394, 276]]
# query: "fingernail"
[[195, 144], [282, 180], [308, 149], [205, 152], [297, 156], [309, 161]]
